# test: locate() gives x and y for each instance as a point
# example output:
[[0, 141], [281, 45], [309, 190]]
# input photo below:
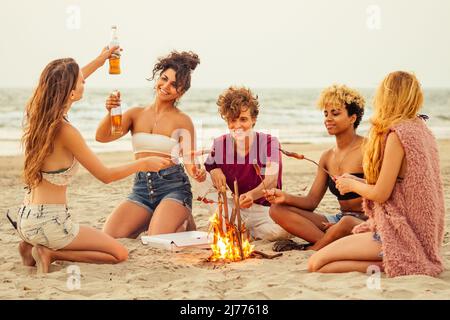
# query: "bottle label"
[[114, 64]]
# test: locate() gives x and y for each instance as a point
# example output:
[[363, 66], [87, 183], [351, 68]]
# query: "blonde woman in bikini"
[[343, 109], [54, 149]]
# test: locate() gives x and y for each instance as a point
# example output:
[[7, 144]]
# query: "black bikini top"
[[346, 196]]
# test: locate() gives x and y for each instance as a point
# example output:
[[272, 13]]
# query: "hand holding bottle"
[[113, 101], [116, 114], [114, 59], [107, 52]]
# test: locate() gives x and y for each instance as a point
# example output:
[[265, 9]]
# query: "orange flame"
[[226, 244]]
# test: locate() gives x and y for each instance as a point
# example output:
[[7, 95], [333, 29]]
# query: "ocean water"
[[289, 114]]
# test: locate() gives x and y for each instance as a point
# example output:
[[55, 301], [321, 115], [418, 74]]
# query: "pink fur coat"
[[411, 221]]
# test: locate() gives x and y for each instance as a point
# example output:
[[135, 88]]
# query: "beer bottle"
[[116, 117], [114, 60]]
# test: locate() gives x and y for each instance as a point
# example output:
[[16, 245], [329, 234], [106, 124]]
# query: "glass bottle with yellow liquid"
[[116, 117], [114, 60]]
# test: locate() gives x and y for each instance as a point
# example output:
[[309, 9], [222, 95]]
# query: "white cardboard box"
[[180, 240]]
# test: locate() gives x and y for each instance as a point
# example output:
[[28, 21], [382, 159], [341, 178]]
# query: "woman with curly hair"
[[54, 150], [343, 109], [234, 155], [403, 194], [160, 202]]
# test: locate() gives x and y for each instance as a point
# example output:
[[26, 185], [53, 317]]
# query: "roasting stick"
[[258, 172], [238, 208], [302, 157], [223, 193], [220, 207], [237, 212]]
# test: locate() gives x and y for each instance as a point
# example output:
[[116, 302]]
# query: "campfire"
[[231, 238]]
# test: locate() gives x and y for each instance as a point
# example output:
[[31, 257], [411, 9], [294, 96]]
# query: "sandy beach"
[[152, 273]]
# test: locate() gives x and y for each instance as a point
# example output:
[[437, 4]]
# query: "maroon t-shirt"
[[264, 149]]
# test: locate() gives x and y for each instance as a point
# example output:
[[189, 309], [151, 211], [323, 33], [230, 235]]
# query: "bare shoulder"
[[183, 120], [68, 131], [326, 155], [135, 111], [69, 137], [393, 141]]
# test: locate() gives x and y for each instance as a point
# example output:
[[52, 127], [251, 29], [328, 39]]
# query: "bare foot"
[[25, 253], [43, 257]]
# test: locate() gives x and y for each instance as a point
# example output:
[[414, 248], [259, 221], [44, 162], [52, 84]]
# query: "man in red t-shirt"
[[233, 156]]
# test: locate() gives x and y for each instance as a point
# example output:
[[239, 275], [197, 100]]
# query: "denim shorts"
[[150, 188], [335, 218], [377, 237], [49, 225]]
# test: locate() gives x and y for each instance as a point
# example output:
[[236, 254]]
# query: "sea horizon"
[[287, 113]]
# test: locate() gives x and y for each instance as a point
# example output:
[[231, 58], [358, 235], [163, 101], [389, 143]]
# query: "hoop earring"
[[176, 102]]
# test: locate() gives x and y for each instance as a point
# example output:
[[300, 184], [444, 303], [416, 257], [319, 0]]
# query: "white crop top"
[[157, 143]]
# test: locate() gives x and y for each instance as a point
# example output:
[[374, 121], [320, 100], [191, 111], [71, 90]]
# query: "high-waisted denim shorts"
[[150, 188]]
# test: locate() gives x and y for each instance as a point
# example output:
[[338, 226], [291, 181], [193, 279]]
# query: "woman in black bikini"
[[343, 109]]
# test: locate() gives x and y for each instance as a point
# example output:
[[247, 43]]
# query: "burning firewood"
[[231, 236], [223, 194], [237, 212], [220, 222], [237, 205], [233, 243]]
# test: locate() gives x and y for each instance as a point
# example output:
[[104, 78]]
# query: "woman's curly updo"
[[183, 63]]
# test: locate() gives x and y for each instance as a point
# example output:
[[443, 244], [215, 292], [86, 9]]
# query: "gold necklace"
[[157, 120], [346, 154]]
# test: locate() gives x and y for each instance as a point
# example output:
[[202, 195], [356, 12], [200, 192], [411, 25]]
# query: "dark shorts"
[[335, 218], [376, 237], [150, 188]]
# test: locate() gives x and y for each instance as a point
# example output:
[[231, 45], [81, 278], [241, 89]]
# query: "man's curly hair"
[[234, 100]]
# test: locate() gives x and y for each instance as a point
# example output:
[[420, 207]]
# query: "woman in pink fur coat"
[[403, 194]]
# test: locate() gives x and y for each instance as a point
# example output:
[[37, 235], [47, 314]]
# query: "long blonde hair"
[[44, 114], [399, 97]]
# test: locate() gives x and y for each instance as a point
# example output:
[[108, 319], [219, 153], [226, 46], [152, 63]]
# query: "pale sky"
[[257, 43]]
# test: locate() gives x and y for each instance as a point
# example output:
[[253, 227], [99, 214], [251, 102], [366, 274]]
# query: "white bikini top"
[[158, 143], [61, 177]]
